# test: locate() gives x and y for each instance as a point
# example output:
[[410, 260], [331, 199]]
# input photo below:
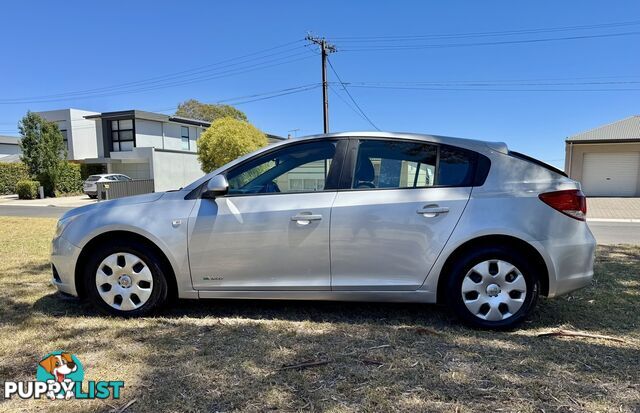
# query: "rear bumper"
[[64, 256], [570, 261]]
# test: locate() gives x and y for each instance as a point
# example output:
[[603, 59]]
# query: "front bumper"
[[64, 256]]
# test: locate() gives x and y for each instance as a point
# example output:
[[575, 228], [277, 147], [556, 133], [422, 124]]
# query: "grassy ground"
[[227, 355]]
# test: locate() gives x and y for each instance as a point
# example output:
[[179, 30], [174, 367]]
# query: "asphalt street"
[[605, 232], [609, 233], [32, 211]]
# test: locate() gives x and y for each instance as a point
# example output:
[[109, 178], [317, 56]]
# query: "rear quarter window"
[[461, 167], [456, 167]]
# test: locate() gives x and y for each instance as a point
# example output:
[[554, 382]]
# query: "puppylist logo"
[[60, 376]]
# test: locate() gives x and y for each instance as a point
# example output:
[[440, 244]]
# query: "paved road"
[[605, 232], [616, 232], [32, 211]]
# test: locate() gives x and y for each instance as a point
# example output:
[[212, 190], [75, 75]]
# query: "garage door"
[[610, 174]]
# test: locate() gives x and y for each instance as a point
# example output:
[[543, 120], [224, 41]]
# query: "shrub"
[[10, 174], [27, 189], [69, 178], [227, 139]]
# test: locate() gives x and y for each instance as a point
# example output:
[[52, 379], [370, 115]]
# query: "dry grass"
[[227, 355]]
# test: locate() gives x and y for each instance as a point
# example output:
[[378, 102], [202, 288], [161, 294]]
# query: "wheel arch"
[[110, 236], [493, 240]]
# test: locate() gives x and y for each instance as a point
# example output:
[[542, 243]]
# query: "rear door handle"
[[431, 211], [304, 218]]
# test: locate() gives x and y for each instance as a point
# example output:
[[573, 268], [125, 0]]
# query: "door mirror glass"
[[216, 186]]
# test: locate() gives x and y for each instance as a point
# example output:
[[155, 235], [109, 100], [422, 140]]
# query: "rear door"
[[400, 203]]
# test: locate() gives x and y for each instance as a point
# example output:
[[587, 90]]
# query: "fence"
[[120, 189]]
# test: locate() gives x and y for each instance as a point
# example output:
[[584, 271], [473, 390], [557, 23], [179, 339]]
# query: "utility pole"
[[325, 49]]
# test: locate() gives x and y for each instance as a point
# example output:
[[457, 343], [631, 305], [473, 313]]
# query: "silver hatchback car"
[[351, 216]]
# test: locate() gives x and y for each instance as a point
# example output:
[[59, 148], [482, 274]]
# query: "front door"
[[271, 231], [404, 201]]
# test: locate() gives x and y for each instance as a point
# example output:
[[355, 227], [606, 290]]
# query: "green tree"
[[43, 150], [227, 139], [209, 112]]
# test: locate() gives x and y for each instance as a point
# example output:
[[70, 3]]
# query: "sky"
[[526, 73]]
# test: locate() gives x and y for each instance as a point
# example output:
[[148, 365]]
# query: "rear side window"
[[386, 164], [401, 164]]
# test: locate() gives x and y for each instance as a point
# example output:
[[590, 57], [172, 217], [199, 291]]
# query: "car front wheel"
[[493, 287], [125, 279]]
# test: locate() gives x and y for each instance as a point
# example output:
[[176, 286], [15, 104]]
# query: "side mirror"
[[216, 186]]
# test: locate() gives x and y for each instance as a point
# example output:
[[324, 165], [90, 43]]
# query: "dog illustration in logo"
[[59, 365]]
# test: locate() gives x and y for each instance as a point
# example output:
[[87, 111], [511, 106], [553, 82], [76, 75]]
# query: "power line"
[[493, 43], [485, 34], [344, 87], [251, 68], [475, 83], [346, 102], [469, 89], [290, 89], [239, 100], [175, 75]]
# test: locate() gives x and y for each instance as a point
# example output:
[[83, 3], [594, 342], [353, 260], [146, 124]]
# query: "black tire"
[[463, 265], [93, 196], [159, 289]]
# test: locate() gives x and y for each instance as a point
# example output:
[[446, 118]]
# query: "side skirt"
[[373, 296]]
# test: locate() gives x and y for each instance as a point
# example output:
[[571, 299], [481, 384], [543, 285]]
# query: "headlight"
[[62, 224]]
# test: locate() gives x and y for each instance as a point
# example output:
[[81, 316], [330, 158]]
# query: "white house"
[[79, 133]]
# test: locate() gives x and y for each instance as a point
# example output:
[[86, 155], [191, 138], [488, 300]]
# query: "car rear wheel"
[[125, 279], [493, 288]]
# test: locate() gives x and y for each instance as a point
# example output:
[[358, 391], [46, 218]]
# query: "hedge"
[[27, 189], [10, 174], [69, 179]]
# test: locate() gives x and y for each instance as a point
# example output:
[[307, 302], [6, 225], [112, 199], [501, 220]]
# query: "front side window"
[[184, 133], [296, 168], [122, 135], [401, 164]]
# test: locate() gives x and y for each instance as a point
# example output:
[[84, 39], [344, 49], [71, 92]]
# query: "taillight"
[[571, 202]]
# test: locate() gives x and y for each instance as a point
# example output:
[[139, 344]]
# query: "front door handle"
[[430, 211], [304, 218]]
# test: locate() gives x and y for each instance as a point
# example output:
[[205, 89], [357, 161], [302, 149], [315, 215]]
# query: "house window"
[[122, 135], [65, 138], [184, 133]]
